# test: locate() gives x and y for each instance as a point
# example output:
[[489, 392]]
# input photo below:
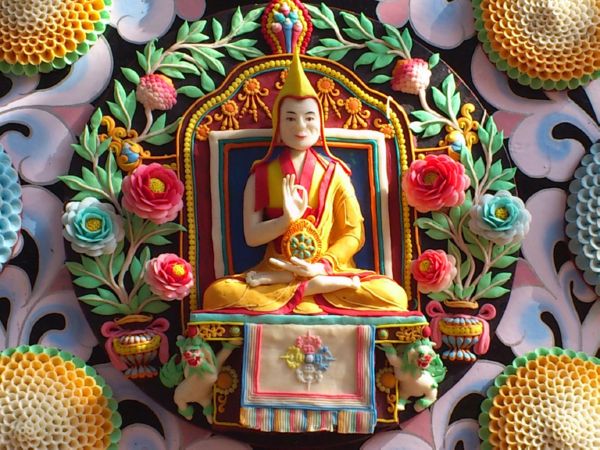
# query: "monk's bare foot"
[[254, 279], [355, 283]]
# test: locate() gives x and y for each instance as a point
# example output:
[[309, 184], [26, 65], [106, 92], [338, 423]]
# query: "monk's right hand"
[[295, 198]]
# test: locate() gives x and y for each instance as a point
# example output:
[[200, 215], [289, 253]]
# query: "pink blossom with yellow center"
[[169, 276]]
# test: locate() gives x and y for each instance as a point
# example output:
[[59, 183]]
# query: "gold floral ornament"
[[203, 129], [549, 398], [49, 399], [385, 380], [282, 77], [467, 136], [385, 127], [326, 93], [251, 97], [227, 381], [228, 116], [542, 43], [41, 35], [128, 152], [353, 107]]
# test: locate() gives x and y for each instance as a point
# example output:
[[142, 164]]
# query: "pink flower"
[[411, 76], [156, 91], [153, 192], [169, 276], [433, 270], [435, 182]]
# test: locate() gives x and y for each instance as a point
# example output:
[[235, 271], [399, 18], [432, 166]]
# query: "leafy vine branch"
[[381, 52]]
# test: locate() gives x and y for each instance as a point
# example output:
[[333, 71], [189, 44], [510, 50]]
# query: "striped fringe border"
[[299, 421]]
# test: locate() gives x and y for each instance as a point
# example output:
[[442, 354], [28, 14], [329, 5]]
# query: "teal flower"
[[500, 218], [92, 227]]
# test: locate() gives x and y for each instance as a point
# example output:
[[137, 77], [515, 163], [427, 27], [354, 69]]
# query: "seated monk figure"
[[304, 207]]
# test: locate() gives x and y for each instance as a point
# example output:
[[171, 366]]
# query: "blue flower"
[[92, 227], [500, 218]]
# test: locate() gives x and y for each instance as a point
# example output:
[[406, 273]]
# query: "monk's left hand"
[[299, 267]]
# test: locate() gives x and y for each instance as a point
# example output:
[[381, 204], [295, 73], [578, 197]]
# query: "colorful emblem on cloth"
[[541, 43], [583, 218], [302, 241], [51, 399], [11, 207], [547, 398], [309, 358], [38, 36]]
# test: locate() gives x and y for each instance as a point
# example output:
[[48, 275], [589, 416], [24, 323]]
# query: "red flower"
[[435, 182], [411, 76], [153, 192], [433, 270], [169, 276]]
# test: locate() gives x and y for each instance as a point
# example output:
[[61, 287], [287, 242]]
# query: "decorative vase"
[[134, 341], [465, 334]]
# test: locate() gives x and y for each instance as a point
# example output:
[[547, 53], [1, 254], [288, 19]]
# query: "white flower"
[[92, 227]]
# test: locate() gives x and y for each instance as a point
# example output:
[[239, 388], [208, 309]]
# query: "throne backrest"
[[224, 133]]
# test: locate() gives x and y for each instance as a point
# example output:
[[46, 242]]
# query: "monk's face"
[[299, 123]]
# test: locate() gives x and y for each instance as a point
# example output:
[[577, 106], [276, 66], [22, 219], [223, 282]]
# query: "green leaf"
[[484, 137], [135, 269], [156, 57], [476, 251], [90, 265], [354, 33], [423, 115], [109, 310], [159, 139], [236, 20], [131, 75], [217, 29], [96, 118], [319, 24], [108, 295], [449, 85], [254, 14], [497, 142], [249, 27], [171, 72], [142, 61], [365, 58], [319, 50], [159, 123], [379, 79], [504, 262], [195, 38], [434, 60], [101, 149], [438, 296], [366, 24], [327, 12], [75, 268], [157, 240], [439, 99], [184, 31], [433, 130], [458, 291], [454, 105], [376, 47], [330, 42], [88, 282], [337, 55], [468, 292], [130, 104], [383, 61], [484, 282], [235, 54], [407, 39], [190, 91], [501, 278], [495, 169], [440, 219], [437, 235], [508, 174], [82, 151], [479, 168], [118, 262], [392, 41], [156, 307], [455, 215], [417, 127], [464, 269], [495, 292], [501, 185], [198, 26], [118, 112]]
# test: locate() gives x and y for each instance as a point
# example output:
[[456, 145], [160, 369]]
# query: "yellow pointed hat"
[[297, 85]]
